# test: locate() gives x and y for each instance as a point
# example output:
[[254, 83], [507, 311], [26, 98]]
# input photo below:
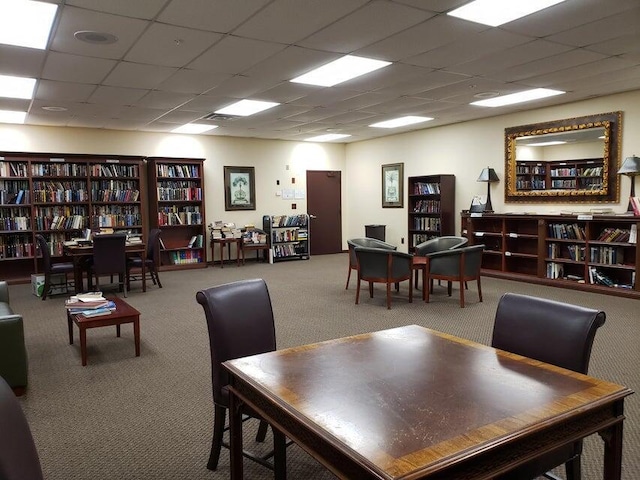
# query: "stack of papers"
[[91, 304]]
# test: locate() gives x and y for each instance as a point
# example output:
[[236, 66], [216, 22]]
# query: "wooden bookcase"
[[176, 207], [584, 252], [288, 236], [59, 195], [431, 208], [585, 174]]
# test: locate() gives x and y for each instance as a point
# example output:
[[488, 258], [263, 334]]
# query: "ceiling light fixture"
[[17, 87], [327, 137], [98, 38], [526, 96], [26, 24], [340, 70], [498, 12], [401, 122], [8, 116], [193, 128], [545, 144], [55, 109], [244, 108]]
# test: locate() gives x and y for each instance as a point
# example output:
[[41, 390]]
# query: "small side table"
[[222, 242], [254, 246]]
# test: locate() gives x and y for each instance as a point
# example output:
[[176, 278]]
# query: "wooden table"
[[222, 242], [124, 313], [77, 253], [414, 403], [247, 247]]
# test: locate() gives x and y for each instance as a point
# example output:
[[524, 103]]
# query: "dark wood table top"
[[409, 402]]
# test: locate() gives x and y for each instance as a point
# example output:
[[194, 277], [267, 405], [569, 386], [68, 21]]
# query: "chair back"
[[452, 263], [365, 242], [44, 251], [109, 254], [18, 455], [552, 332], [383, 264], [440, 243], [154, 244], [240, 323]]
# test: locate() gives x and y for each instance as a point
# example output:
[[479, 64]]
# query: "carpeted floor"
[[150, 417]]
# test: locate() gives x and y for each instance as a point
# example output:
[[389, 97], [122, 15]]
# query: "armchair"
[[457, 265], [13, 353], [363, 242], [380, 265], [436, 244]]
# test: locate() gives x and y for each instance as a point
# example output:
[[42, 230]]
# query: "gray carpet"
[[151, 417]]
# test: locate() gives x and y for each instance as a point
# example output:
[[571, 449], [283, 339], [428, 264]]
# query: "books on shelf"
[[635, 204]]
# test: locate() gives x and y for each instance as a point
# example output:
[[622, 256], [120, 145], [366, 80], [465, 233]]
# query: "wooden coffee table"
[[124, 313]]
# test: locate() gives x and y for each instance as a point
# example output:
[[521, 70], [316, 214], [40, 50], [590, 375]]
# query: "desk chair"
[[110, 258], [380, 265], [18, 455], [240, 323], [150, 260], [363, 242], [50, 268], [552, 332]]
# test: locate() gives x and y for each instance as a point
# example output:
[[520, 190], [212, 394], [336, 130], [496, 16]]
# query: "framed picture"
[[393, 185], [239, 188]]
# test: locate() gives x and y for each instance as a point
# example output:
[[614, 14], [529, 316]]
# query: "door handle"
[[312, 217]]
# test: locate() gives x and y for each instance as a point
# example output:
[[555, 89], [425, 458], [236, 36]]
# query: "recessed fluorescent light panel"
[[16, 87], [194, 128], [545, 144], [526, 96], [497, 12], [26, 24], [8, 116], [340, 70], [327, 138], [244, 108], [401, 122]]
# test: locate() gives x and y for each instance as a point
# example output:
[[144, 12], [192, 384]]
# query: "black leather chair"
[[363, 242], [457, 265], [150, 260], [552, 332], [18, 455], [437, 244], [110, 258], [380, 265], [240, 323], [49, 268]]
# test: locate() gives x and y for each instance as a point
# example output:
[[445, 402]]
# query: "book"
[[89, 305], [192, 241], [98, 312], [88, 296], [635, 204]]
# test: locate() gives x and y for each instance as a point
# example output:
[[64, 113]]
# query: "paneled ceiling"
[[177, 61]]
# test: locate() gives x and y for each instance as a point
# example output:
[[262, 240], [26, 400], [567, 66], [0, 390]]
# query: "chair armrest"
[[13, 353], [4, 292]]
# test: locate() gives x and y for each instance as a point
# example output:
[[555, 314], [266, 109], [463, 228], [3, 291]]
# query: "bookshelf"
[[59, 195], [595, 253], [176, 207], [584, 174], [431, 208], [288, 236]]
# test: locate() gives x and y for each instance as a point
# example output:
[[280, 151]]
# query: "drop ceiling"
[[177, 61]]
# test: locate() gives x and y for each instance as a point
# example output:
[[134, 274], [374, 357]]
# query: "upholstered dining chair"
[[457, 265], [110, 258], [381, 265], [240, 323], [150, 260], [49, 268], [18, 455], [363, 242], [553, 332], [437, 244]]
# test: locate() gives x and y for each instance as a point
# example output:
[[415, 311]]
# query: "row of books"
[[287, 250], [421, 188], [178, 171], [635, 205], [426, 223], [60, 196], [15, 223], [185, 257], [196, 241], [289, 220], [182, 193], [58, 170], [17, 198], [20, 248], [278, 236], [612, 234], [115, 170], [574, 252], [12, 169], [566, 230], [427, 206], [115, 195], [179, 218], [116, 220]]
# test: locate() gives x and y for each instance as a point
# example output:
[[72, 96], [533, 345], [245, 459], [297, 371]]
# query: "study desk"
[[78, 252], [413, 403]]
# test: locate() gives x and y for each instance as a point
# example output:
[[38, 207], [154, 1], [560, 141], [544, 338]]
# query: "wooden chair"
[[380, 265], [49, 268], [557, 333], [457, 265], [150, 260], [437, 244], [240, 323], [110, 258], [18, 455], [363, 242]]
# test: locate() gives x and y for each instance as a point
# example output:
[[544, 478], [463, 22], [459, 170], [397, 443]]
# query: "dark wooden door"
[[324, 205]]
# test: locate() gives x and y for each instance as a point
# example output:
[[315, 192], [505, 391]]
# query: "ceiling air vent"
[[218, 117]]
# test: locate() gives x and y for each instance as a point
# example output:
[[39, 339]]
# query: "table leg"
[[144, 274], [221, 255], [235, 440], [237, 253], [70, 325], [136, 334], [117, 330], [612, 437], [279, 455], [77, 274], [83, 344]]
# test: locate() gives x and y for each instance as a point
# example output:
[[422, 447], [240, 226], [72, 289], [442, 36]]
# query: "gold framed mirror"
[[572, 160]]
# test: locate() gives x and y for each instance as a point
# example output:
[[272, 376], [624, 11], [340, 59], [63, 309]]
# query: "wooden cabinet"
[[176, 207], [431, 208], [586, 252], [60, 195], [288, 236]]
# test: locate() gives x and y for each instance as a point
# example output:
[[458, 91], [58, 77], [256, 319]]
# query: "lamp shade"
[[630, 166], [488, 175]]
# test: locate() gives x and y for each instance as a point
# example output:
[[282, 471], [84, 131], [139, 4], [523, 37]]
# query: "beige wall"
[[462, 149]]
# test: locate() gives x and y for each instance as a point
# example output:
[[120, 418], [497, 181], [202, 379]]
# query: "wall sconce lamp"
[[631, 168], [488, 175]]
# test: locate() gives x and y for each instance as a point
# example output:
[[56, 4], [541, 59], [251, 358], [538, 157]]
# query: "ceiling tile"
[[211, 15], [618, 46], [63, 91], [192, 81], [288, 92], [117, 95], [21, 61], [147, 9], [423, 82], [439, 6], [73, 68], [290, 63], [135, 75], [163, 100], [563, 78], [329, 96]]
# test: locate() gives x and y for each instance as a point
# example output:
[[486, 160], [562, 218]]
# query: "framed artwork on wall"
[[393, 185], [239, 188]]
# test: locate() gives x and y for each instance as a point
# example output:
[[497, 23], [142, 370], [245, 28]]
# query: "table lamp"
[[631, 167], [488, 175]]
